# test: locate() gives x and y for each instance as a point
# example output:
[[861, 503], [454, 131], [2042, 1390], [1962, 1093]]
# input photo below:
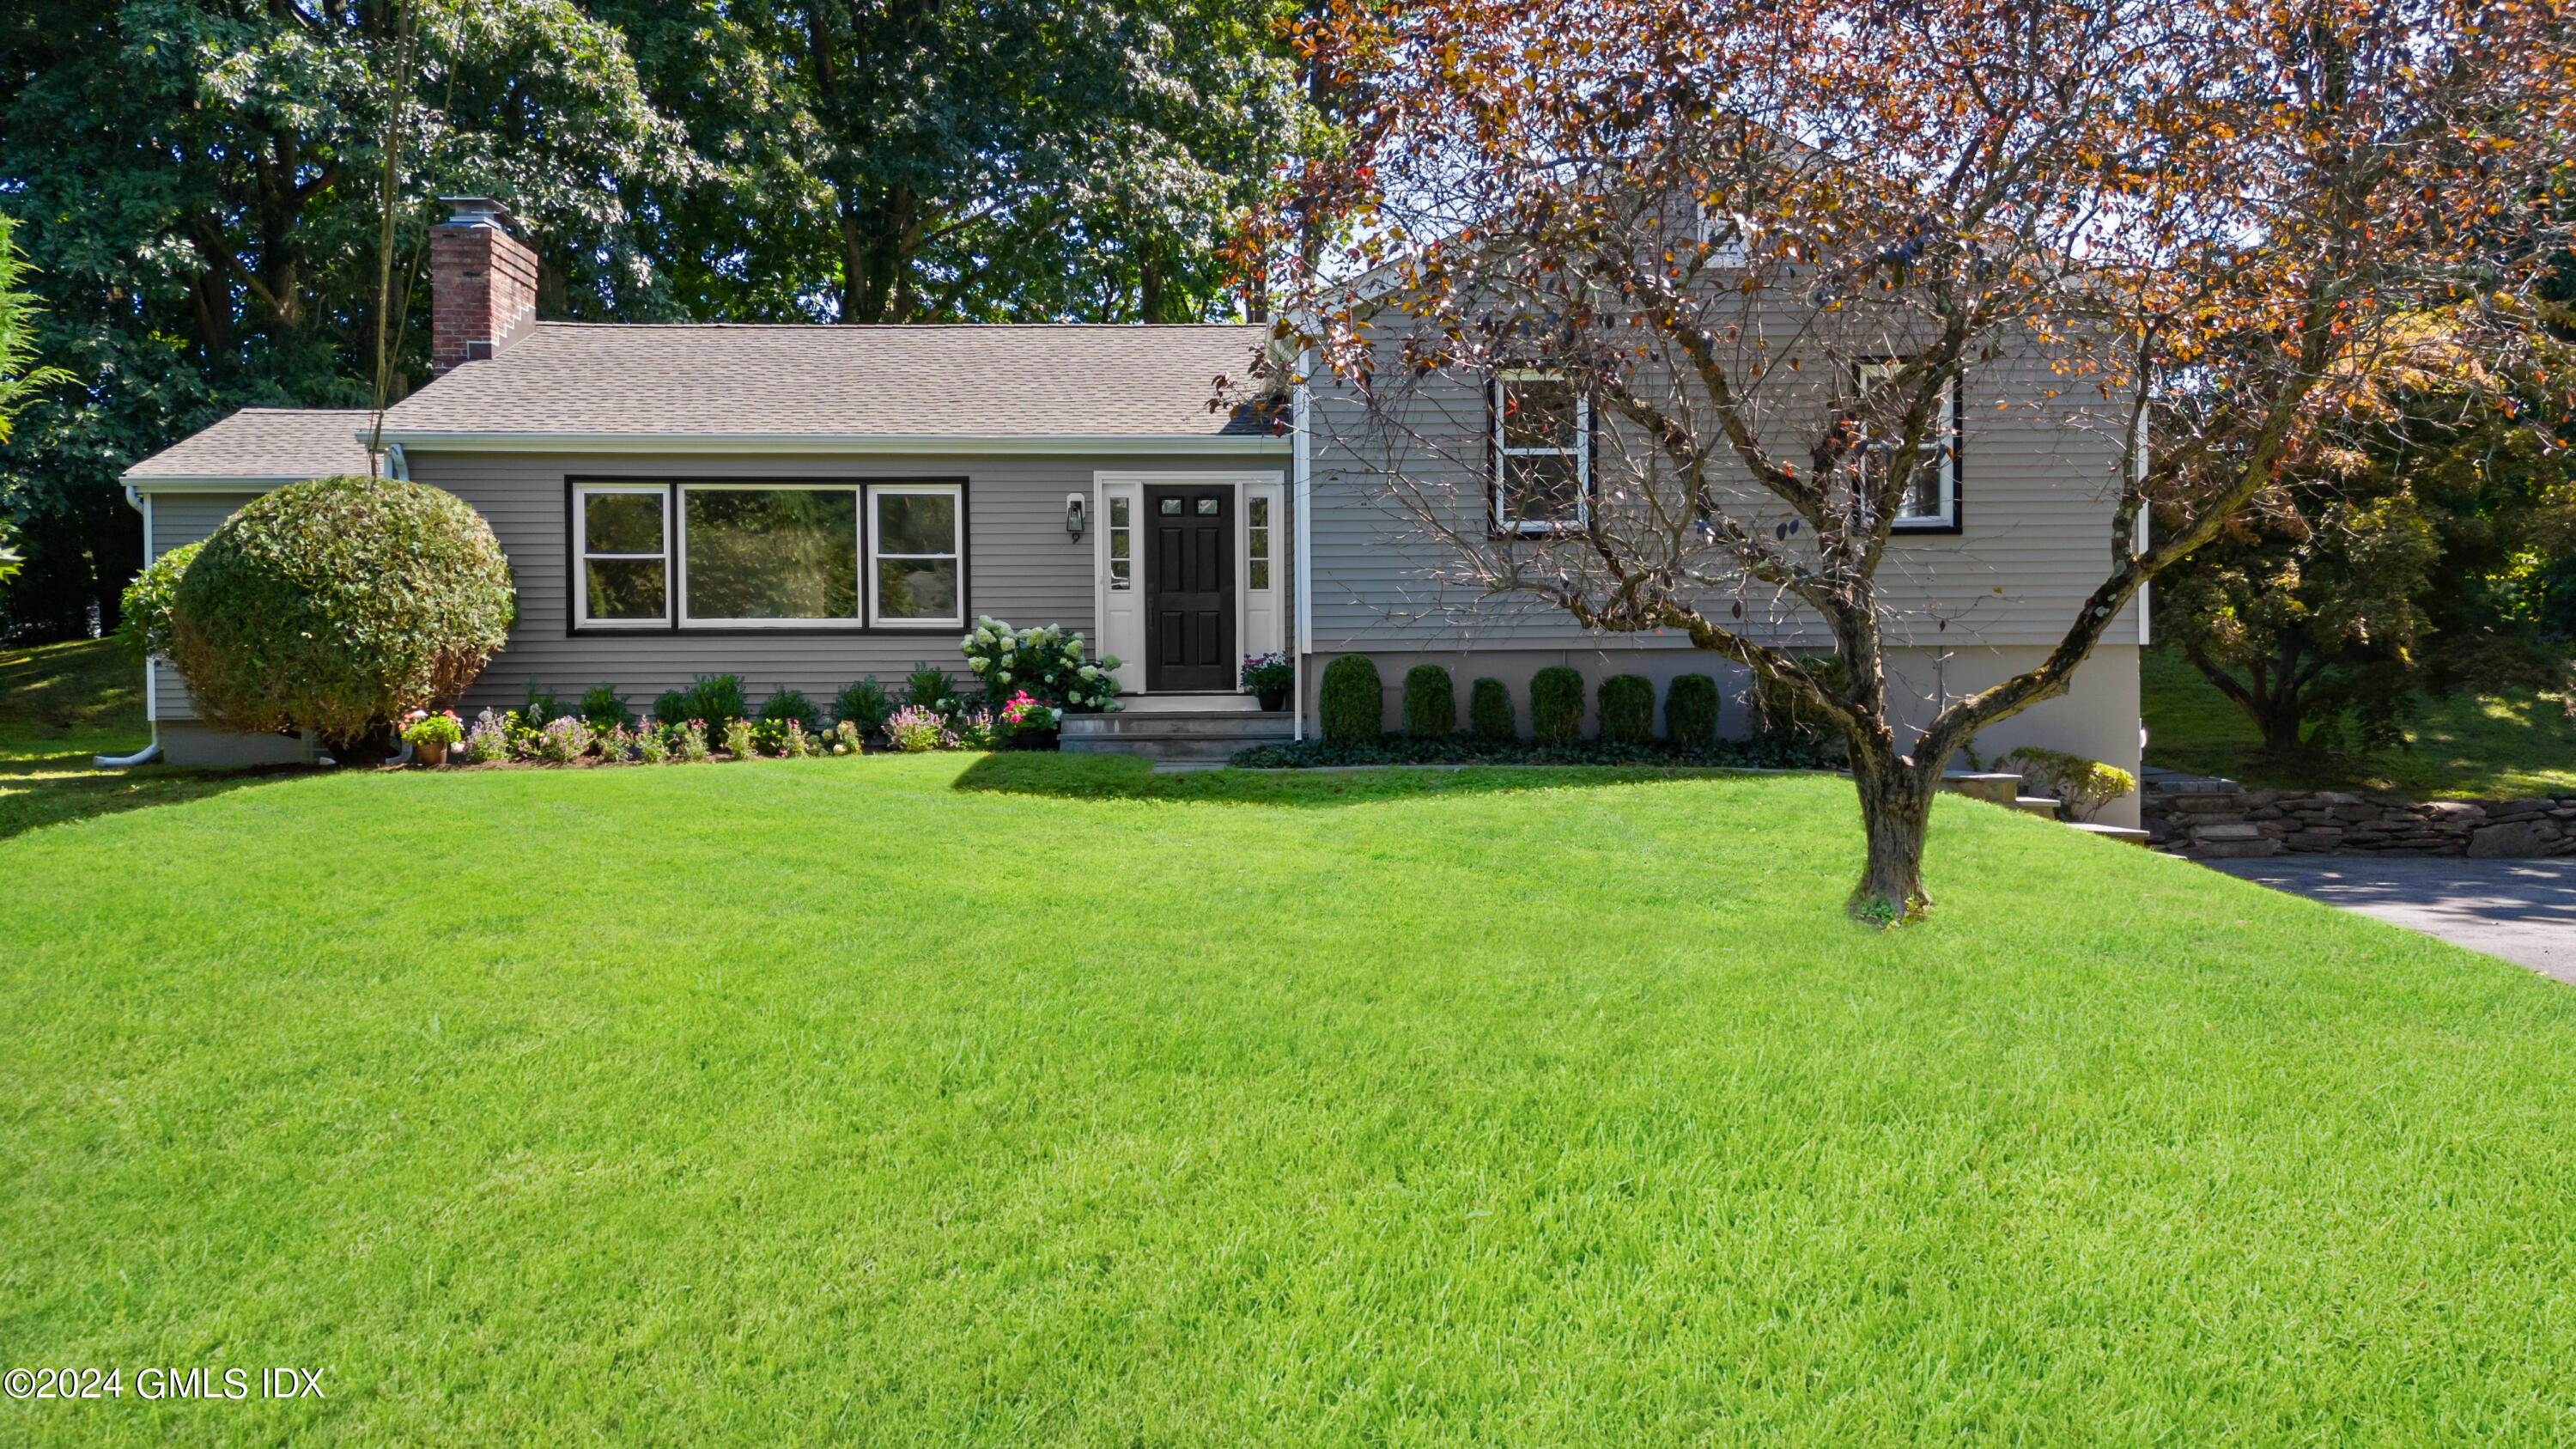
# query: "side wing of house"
[[184, 493], [1982, 589]]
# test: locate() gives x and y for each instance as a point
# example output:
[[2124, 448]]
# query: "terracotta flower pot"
[[431, 754]]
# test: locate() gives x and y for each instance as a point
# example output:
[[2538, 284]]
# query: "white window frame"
[[871, 554], [1947, 430], [1495, 502], [582, 493], [678, 513]]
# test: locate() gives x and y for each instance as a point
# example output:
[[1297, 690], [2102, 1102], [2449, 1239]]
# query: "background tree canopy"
[[197, 186]]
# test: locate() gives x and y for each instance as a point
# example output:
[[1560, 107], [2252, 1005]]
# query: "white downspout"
[[1305, 486], [141, 502]]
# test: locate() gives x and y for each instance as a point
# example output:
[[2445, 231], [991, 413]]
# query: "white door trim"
[[1122, 630]]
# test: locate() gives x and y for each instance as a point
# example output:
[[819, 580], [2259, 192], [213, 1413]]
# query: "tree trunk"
[[1895, 811]]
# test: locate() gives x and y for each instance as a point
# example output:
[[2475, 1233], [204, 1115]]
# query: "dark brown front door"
[[1189, 588]]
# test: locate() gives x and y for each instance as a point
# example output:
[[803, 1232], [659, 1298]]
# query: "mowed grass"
[[826, 1101], [62, 706], [2466, 747]]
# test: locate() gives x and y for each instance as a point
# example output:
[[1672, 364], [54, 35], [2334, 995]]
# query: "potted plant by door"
[[430, 734], [1270, 677]]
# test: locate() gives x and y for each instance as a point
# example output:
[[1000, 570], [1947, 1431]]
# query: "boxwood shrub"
[[604, 707], [1351, 702], [1430, 703], [863, 704], [1489, 712], [1627, 709], [1690, 711], [338, 604], [1556, 705], [788, 704]]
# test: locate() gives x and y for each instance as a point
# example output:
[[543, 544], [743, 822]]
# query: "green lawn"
[[2466, 747], [826, 1101], [61, 706]]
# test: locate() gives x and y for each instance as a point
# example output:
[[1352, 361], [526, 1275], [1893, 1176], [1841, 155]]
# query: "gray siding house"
[[806, 505]]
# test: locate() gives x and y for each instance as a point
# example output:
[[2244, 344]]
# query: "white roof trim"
[[197, 483], [832, 443]]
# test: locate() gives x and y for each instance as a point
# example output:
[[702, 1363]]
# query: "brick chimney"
[[482, 284]]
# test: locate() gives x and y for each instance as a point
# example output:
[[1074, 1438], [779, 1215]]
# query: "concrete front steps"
[[2004, 789], [1176, 728], [1999, 789]]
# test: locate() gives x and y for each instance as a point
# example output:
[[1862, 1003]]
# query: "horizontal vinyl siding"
[[2038, 486], [1020, 567], [180, 519]]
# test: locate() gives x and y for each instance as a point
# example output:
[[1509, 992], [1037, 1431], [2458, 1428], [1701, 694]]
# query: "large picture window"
[[759, 555], [729, 555], [915, 555], [625, 556], [1542, 449], [1930, 502]]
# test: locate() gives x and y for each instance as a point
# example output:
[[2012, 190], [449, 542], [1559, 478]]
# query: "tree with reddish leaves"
[[1767, 240]]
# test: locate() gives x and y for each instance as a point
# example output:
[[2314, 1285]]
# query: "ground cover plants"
[[1423, 1107]]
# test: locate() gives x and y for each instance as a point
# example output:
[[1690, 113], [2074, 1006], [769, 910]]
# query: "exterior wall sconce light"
[[1073, 516]]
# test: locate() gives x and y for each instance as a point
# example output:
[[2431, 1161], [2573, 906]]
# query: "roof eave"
[[196, 483], [849, 445]]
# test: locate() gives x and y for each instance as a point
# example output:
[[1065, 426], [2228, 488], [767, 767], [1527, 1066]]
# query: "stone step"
[[1173, 726], [1992, 786], [2041, 805], [2109, 832], [1166, 734]]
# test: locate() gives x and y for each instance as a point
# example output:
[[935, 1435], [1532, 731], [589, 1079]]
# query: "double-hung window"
[[913, 544], [1930, 502], [1542, 452], [725, 555], [625, 556]]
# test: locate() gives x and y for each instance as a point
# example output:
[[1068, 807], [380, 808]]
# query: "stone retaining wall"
[[2229, 824]]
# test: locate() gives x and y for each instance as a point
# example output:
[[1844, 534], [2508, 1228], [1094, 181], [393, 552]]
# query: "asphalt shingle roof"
[[737, 380], [291, 443]]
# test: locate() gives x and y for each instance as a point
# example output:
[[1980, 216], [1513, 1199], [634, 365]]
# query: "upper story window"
[[1930, 502], [769, 555], [1542, 451]]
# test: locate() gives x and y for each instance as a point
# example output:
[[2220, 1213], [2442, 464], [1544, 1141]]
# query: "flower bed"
[[504, 737]]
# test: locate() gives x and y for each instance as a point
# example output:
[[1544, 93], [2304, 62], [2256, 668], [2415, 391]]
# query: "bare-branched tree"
[[1772, 247]]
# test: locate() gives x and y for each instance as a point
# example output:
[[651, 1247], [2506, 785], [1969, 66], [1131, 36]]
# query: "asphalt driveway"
[[2521, 910]]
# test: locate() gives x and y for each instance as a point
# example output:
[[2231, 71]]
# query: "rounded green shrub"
[[1430, 703], [603, 707], [1351, 702], [1556, 705], [1489, 713], [790, 704], [337, 605], [1690, 711], [1627, 709], [143, 620]]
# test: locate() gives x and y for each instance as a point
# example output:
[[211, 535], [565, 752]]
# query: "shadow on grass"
[[40, 790], [1127, 777]]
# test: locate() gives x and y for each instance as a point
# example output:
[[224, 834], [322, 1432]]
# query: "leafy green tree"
[[912, 161], [19, 376], [2416, 556], [197, 185]]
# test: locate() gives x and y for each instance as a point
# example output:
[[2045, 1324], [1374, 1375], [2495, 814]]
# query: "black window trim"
[[1588, 426], [866, 626]]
